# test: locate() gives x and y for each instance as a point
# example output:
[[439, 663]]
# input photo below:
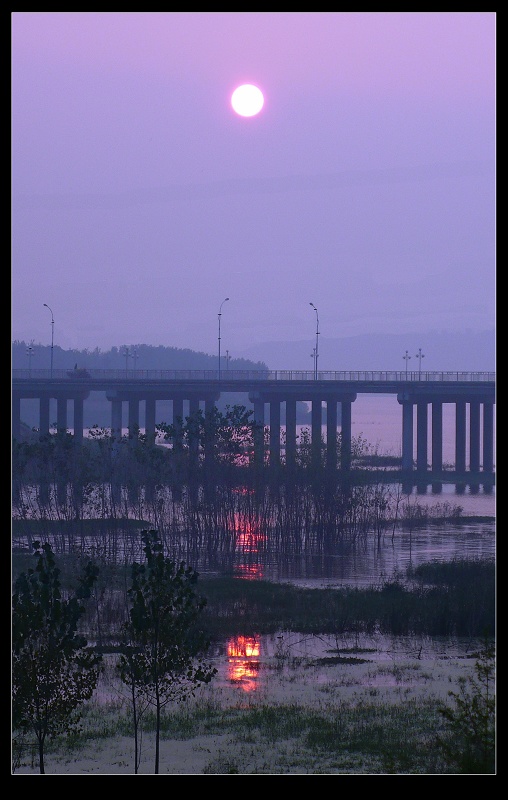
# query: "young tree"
[[53, 670], [471, 722], [163, 647]]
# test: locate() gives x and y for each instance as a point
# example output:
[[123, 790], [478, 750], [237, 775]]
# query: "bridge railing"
[[242, 375]]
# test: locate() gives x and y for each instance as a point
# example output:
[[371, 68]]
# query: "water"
[[378, 420]]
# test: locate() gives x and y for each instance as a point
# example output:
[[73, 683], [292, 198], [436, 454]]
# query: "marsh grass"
[[365, 735], [335, 724]]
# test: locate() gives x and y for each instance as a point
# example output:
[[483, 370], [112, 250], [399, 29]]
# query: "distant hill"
[[463, 352]]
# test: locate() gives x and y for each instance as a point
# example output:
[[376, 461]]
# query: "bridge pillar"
[[193, 435], [331, 434], [407, 433], [259, 434], [290, 433], [474, 436], [133, 423], [460, 436], [61, 414], [150, 405], [78, 420], [346, 435], [437, 436], [488, 437], [44, 415], [316, 422], [421, 435], [178, 418], [275, 433], [116, 419]]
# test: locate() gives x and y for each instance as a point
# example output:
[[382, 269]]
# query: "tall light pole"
[[30, 352], [419, 356], [52, 335], [220, 312], [406, 358], [317, 341], [127, 353]]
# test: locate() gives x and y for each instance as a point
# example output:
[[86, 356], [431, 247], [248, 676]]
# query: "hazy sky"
[[141, 200]]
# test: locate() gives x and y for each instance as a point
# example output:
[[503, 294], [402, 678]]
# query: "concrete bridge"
[[425, 391]]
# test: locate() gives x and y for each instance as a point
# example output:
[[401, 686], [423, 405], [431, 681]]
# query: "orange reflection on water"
[[249, 540], [249, 572], [243, 664]]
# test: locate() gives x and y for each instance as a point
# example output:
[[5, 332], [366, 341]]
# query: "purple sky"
[[140, 200]]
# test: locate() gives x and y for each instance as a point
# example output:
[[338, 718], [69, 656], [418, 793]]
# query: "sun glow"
[[247, 100]]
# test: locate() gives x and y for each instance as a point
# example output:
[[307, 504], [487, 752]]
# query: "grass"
[[364, 735]]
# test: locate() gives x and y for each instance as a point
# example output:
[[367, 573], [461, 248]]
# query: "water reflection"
[[250, 541], [243, 654], [299, 536]]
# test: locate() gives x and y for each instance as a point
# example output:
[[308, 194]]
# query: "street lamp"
[[406, 358], [30, 352], [228, 359], [127, 353], [317, 341], [419, 356], [52, 335], [220, 312]]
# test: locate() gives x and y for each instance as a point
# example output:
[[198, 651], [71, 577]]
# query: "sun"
[[247, 100]]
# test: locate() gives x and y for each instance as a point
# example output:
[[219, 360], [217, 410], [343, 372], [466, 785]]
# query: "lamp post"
[[135, 357], [419, 356], [220, 313], [52, 335], [317, 342], [126, 354], [30, 352], [228, 358], [406, 358]]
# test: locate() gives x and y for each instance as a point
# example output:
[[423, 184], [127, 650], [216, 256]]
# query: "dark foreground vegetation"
[[449, 599], [109, 540]]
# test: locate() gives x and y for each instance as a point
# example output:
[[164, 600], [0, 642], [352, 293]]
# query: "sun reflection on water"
[[243, 653]]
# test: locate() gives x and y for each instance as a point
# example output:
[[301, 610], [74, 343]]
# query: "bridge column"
[[316, 422], [407, 434], [488, 437], [78, 420], [193, 433], [331, 434], [421, 435], [178, 419], [44, 415], [61, 414], [116, 419], [133, 423], [208, 446], [474, 436], [290, 433], [460, 436], [259, 435], [346, 435], [275, 433], [16, 417], [150, 404], [437, 436]]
